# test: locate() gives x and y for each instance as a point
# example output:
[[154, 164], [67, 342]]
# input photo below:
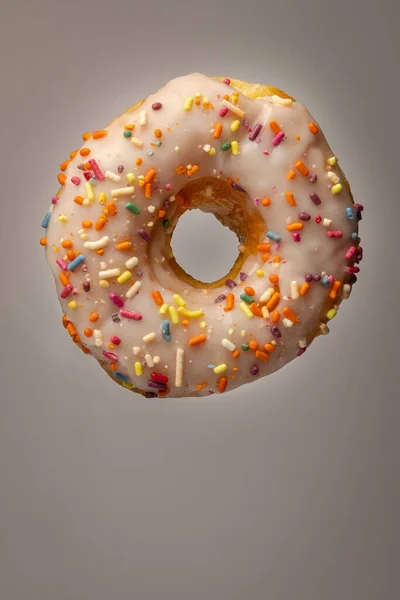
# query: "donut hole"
[[203, 247]]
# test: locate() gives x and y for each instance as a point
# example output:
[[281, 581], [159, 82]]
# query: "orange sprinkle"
[[63, 278], [235, 353], [274, 279], [157, 133], [87, 166], [313, 128], [87, 224], [253, 345], [157, 297], [289, 314], [78, 200], [84, 151], [291, 175], [148, 190], [43, 241], [193, 170], [265, 257], [93, 317], [274, 127], [297, 137], [217, 130], [71, 329], [290, 199], [301, 167], [65, 321], [266, 201], [111, 209], [64, 165], [262, 355], [86, 136], [151, 173], [185, 322], [201, 386], [249, 291], [161, 213], [76, 339], [100, 252], [121, 246], [61, 178], [198, 339], [269, 347], [71, 255], [130, 126], [295, 226], [255, 310], [85, 350], [73, 154], [263, 247], [276, 258], [334, 290], [111, 346], [229, 303], [222, 383], [139, 161], [304, 288], [275, 316], [99, 134], [273, 301], [66, 244], [165, 392], [101, 221], [88, 332]]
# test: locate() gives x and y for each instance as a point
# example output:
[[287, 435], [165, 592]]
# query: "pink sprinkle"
[[353, 269], [76, 180], [62, 264], [168, 187], [223, 111], [334, 234], [350, 253], [115, 340], [227, 81], [331, 279], [87, 175], [110, 355], [296, 236], [66, 291], [129, 314], [117, 300], [266, 152], [318, 219], [54, 199], [96, 169], [278, 138]]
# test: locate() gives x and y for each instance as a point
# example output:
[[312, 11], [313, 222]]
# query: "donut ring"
[[256, 159]]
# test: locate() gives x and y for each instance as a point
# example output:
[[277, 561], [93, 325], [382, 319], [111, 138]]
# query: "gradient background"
[[285, 489]]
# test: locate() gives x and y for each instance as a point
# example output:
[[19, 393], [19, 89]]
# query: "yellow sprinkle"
[[127, 385], [163, 309], [63, 218], [220, 368], [89, 191], [245, 308], [138, 369], [149, 337], [173, 314], [203, 324], [136, 142], [335, 189], [190, 314], [235, 148], [235, 125], [233, 108], [178, 300], [72, 304], [104, 283], [124, 277], [331, 313], [260, 273], [212, 151], [130, 177], [281, 101], [102, 198], [332, 161], [188, 103], [235, 97]]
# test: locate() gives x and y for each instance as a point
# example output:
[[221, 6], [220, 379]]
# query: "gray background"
[[286, 489]]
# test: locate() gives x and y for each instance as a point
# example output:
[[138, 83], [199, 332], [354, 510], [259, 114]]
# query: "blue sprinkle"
[[46, 220], [359, 215], [349, 213], [165, 330], [92, 181], [325, 281], [273, 236], [354, 235], [76, 262], [210, 366], [121, 377]]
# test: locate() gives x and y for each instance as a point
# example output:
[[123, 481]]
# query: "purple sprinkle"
[[296, 236], [66, 291], [230, 283], [301, 351], [360, 254], [150, 395], [313, 178], [220, 298], [237, 187], [139, 273], [143, 234], [255, 131], [317, 277], [86, 286], [120, 168], [117, 300], [275, 331], [223, 111], [62, 264], [308, 278], [254, 370], [166, 203], [110, 355], [316, 199], [303, 216], [115, 318], [278, 138], [243, 276], [156, 385], [129, 314], [156, 106], [54, 199]]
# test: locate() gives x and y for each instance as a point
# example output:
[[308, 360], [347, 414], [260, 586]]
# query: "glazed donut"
[[259, 162]]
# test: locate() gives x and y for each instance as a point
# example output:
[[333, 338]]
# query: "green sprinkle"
[[225, 146], [246, 298], [331, 313], [166, 223], [127, 133], [133, 208], [158, 143], [245, 347]]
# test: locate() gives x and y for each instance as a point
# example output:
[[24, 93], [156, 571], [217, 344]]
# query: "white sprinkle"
[[207, 148], [294, 290], [151, 209], [112, 176], [281, 101], [132, 262], [109, 273], [83, 236], [243, 332], [98, 338], [156, 360], [124, 191], [287, 322], [179, 367], [267, 295], [103, 265], [233, 108], [149, 360], [136, 142], [86, 202], [265, 312], [136, 350], [302, 342], [97, 244], [326, 222], [177, 149], [324, 328], [346, 291], [149, 337], [333, 178], [143, 118], [228, 345], [133, 290]]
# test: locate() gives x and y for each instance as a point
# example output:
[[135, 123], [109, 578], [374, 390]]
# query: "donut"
[[256, 159]]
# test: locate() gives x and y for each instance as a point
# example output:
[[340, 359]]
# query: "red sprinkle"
[[156, 106], [87, 175], [67, 290], [159, 378], [115, 340]]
